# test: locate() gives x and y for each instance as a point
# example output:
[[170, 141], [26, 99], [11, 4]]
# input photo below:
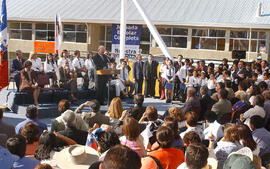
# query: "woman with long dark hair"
[[50, 68], [246, 138]]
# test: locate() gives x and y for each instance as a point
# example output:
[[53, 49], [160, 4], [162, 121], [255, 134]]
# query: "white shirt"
[[169, 73], [78, 62], [182, 73], [260, 78], [162, 70], [49, 67], [203, 82], [89, 64], [268, 83], [62, 59], [257, 110], [216, 129], [124, 75], [197, 129], [37, 64], [194, 81], [211, 84]]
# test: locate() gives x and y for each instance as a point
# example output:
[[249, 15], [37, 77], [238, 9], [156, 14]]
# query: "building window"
[[239, 40], [21, 31], [145, 43], [174, 37], [105, 37], [75, 33], [208, 39], [44, 32]]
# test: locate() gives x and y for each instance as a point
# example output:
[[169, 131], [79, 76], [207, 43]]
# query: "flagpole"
[[123, 28]]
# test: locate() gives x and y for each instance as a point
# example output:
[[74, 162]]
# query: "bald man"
[[101, 61]]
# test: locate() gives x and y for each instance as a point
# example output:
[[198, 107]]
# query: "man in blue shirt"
[[17, 146], [260, 134], [31, 116]]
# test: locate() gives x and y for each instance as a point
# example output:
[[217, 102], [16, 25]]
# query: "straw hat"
[[76, 156]]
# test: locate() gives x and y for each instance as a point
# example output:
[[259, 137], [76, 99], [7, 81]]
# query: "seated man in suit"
[[16, 67], [124, 77], [205, 100], [223, 106], [67, 80], [192, 103]]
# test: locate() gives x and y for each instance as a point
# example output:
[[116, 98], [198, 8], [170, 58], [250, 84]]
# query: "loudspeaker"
[[238, 54]]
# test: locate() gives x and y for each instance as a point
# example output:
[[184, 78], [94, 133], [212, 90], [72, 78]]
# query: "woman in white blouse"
[[162, 70], [169, 79], [50, 69], [91, 69], [36, 62]]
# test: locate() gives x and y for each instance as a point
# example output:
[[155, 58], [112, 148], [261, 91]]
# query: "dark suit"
[[16, 67], [137, 112], [138, 76], [193, 104], [66, 81], [150, 75], [101, 62], [79, 136], [177, 66], [206, 105]]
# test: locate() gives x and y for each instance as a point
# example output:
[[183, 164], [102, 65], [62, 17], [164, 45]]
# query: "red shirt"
[[170, 158]]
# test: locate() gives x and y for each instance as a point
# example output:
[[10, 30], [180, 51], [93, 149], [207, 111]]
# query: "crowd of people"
[[224, 121]]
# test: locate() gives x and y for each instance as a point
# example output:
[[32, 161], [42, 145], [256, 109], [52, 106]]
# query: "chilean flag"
[[58, 33], [3, 47]]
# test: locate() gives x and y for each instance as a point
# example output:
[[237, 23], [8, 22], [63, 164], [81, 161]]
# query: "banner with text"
[[133, 38]]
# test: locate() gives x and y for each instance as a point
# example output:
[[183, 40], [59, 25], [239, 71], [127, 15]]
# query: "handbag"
[[43, 79]]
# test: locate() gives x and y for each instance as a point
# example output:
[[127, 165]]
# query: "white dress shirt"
[[182, 74], [214, 128], [203, 82], [124, 75], [169, 73], [37, 65], [162, 70], [89, 64], [78, 62], [49, 67], [211, 84]]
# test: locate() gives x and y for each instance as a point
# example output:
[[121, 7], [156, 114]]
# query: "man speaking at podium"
[[101, 62]]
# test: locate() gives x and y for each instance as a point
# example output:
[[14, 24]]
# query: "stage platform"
[[47, 112]]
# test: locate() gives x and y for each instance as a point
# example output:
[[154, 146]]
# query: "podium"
[[106, 72]]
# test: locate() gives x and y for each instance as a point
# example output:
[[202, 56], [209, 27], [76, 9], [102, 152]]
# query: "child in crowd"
[[211, 84]]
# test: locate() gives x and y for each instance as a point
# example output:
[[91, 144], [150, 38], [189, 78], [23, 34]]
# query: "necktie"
[[92, 63], [124, 75], [170, 71], [80, 63]]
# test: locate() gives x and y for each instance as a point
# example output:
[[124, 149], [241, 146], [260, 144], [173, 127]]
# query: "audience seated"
[[213, 127], [70, 131], [205, 101], [115, 110], [94, 115], [256, 110], [30, 133], [138, 109], [222, 107], [260, 134], [6, 130], [17, 146], [168, 156], [192, 103], [31, 116], [191, 120], [228, 144], [132, 137], [57, 123]]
